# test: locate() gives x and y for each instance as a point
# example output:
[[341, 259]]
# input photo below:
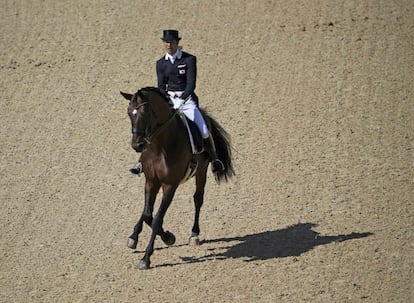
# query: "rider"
[[176, 75]]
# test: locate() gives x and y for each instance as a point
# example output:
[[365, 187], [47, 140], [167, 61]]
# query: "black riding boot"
[[137, 170], [216, 164]]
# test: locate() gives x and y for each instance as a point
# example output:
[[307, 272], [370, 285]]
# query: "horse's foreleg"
[[146, 216], [168, 194], [132, 241], [198, 203]]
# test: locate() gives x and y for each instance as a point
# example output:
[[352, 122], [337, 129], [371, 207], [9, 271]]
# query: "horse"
[[159, 134]]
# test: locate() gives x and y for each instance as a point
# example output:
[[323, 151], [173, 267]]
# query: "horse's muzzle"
[[138, 146]]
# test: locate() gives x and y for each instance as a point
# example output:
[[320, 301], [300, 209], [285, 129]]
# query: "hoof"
[[168, 238], [143, 265], [131, 243], [194, 241]]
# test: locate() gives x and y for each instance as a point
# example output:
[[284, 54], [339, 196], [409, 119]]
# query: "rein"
[[148, 134], [150, 137]]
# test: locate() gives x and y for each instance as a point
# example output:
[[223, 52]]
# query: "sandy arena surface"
[[318, 99]]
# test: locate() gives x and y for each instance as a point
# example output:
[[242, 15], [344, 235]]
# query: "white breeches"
[[191, 111]]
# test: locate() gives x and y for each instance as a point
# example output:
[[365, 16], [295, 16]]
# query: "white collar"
[[172, 58]]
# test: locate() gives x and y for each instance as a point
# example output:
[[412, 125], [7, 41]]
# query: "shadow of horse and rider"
[[291, 241]]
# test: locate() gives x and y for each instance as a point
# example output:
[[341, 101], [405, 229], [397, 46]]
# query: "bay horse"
[[160, 135]]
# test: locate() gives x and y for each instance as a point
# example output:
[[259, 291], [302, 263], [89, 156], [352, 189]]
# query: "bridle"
[[137, 130], [148, 133]]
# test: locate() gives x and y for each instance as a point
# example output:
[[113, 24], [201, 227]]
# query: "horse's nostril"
[[137, 146]]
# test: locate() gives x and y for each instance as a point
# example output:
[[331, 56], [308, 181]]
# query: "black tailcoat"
[[180, 76]]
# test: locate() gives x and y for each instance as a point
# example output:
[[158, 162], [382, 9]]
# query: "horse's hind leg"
[[198, 203]]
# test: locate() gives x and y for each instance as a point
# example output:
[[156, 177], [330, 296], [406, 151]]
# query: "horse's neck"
[[172, 136], [161, 108], [164, 123]]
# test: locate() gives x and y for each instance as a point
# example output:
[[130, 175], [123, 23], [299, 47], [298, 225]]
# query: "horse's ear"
[[127, 96]]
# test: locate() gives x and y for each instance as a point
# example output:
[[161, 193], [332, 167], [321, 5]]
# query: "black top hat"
[[170, 35]]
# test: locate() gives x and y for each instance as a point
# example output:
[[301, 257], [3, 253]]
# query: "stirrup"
[[217, 166], [137, 170]]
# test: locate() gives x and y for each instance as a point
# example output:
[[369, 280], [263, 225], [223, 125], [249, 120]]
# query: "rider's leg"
[[194, 114], [216, 164]]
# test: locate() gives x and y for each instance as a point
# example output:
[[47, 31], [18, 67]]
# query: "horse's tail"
[[223, 148]]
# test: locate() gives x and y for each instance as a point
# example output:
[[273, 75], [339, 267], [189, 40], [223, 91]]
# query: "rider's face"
[[171, 46]]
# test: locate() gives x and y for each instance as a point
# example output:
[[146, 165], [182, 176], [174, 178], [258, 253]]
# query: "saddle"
[[196, 142], [194, 134]]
